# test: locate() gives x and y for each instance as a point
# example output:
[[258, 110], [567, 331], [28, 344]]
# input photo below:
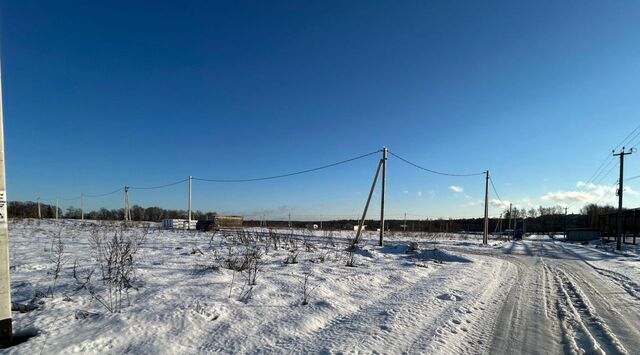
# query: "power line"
[[494, 189], [289, 174], [105, 194], [430, 170], [632, 178], [157, 187]]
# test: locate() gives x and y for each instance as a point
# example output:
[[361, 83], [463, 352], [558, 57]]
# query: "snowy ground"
[[536, 296]]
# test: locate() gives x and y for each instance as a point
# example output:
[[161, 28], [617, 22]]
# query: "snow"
[[420, 293]]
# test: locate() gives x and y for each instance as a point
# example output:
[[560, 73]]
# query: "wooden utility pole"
[[485, 235], [5, 282], [382, 195], [620, 193]]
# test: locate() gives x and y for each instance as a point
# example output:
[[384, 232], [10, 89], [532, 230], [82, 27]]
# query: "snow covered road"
[[563, 303]]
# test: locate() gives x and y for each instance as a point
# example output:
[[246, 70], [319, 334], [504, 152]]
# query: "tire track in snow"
[[578, 318]]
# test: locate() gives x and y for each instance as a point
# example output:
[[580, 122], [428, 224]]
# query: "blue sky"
[[102, 94]]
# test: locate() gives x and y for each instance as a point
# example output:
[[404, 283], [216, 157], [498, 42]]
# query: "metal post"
[[382, 195], [5, 282], [619, 232], [189, 216], [366, 206], [82, 206], [485, 235]]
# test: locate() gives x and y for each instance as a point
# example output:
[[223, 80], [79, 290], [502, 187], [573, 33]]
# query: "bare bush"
[[115, 258], [58, 259], [307, 289]]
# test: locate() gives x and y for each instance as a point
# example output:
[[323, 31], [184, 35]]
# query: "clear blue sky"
[[99, 94]]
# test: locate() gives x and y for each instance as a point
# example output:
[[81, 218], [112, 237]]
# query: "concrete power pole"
[[620, 193], [366, 206], [39, 212], [565, 222], [82, 206], [5, 282], [127, 215], [382, 195], [404, 225], [510, 217], [56, 208], [485, 235], [189, 214]]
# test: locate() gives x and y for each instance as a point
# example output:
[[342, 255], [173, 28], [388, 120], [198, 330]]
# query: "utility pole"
[[82, 206], [382, 195], [485, 235], [366, 206], [189, 215], [39, 212], [127, 216], [620, 193], [404, 225], [289, 220], [5, 283], [565, 222], [510, 217], [56, 208]]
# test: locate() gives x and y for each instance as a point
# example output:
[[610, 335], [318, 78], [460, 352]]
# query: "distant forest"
[[538, 220], [29, 209]]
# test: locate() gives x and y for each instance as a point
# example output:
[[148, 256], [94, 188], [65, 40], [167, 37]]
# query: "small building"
[[217, 222], [178, 223], [582, 234], [364, 227]]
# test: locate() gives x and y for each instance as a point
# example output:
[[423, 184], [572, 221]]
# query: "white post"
[[5, 282], [39, 213], [82, 206], [485, 234], [189, 215]]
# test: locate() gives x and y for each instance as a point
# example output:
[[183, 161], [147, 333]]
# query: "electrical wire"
[[289, 174], [105, 194], [430, 170], [494, 189], [157, 187]]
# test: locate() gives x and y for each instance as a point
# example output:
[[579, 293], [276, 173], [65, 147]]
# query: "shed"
[[582, 234]]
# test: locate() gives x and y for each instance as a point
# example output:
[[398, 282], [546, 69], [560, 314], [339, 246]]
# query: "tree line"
[[538, 220], [29, 209]]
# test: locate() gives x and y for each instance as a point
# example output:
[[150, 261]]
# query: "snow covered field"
[[405, 297]]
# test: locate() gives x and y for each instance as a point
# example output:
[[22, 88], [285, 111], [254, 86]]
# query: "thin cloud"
[[456, 189], [500, 204]]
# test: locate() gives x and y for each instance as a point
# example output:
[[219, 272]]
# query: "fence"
[[608, 225]]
